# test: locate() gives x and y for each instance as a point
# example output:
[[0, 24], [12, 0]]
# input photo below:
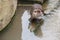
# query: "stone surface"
[[7, 10]]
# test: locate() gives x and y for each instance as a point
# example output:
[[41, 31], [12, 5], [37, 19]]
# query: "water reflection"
[[35, 26]]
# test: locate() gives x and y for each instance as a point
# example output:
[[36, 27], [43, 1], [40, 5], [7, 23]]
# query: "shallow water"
[[50, 31], [51, 27]]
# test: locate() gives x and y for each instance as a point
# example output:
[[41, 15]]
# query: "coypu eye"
[[35, 11]]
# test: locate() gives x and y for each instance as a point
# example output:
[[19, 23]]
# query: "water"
[[51, 26]]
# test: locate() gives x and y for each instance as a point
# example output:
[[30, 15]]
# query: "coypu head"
[[36, 17]]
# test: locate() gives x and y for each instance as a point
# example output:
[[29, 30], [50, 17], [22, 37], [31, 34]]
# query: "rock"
[[7, 10]]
